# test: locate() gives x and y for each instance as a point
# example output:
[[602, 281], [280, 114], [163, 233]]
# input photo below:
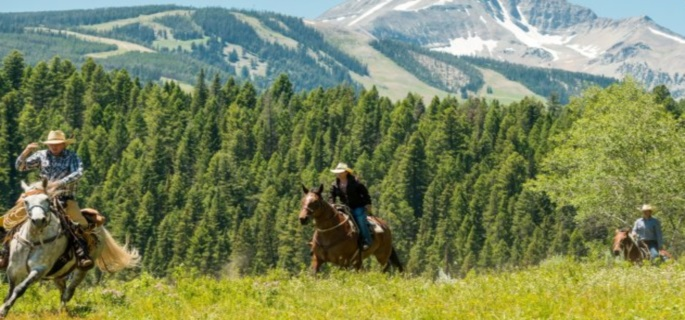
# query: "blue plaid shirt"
[[649, 229], [65, 169]]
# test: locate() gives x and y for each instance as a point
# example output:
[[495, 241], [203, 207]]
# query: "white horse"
[[40, 242]]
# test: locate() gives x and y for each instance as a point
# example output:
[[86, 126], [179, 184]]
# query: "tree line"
[[211, 179]]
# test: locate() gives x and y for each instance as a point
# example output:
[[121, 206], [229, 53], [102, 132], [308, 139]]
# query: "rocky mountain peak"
[[547, 33]]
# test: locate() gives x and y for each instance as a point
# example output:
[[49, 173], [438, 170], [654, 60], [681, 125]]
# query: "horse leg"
[[11, 289], [76, 279], [395, 260], [316, 264], [19, 290], [61, 284]]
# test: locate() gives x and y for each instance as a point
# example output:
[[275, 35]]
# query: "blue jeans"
[[652, 245], [359, 215]]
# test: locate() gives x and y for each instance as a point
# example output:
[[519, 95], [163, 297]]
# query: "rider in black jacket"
[[355, 195]]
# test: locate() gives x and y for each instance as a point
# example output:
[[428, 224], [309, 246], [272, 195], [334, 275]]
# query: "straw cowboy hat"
[[646, 207], [342, 167], [57, 137]]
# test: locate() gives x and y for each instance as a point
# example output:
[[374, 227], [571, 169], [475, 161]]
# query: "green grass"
[[558, 289], [504, 90]]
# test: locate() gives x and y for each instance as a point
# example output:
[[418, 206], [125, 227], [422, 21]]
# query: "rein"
[[36, 244], [334, 213], [633, 244], [334, 227]]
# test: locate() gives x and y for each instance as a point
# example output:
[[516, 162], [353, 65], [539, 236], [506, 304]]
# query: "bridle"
[[332, 215], [49, 212]]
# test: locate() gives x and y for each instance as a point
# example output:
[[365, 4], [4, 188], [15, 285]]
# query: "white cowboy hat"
[[57, 137], [342, 167], [646, 207]]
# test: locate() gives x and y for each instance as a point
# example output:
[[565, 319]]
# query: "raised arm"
[[26, 160]]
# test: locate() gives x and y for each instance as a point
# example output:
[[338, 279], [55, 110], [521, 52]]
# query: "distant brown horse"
[[336, 239], [631, 249]]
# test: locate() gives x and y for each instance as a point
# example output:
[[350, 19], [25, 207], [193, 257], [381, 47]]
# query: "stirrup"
[[85, 264]]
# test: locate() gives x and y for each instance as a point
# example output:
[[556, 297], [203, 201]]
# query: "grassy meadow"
[[557, 289]]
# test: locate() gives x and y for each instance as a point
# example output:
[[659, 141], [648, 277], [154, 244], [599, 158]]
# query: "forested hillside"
[[160, 43], [211, 180], [246, 45]]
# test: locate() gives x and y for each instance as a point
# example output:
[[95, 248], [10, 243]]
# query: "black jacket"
[[355, 196]]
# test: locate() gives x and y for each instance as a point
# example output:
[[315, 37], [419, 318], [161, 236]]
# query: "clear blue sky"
[[668, 13]]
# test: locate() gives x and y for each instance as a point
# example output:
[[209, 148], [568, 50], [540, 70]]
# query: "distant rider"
[[648, 229]]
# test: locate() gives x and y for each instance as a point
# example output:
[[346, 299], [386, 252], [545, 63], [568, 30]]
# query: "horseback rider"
[[353, 194], [648, 230], [63, 168]]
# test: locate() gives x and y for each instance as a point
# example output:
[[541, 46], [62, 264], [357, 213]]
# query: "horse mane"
[[38, 185]]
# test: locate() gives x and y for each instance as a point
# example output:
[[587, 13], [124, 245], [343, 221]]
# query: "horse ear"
[[319, 190], [304, 189], [24, 185]]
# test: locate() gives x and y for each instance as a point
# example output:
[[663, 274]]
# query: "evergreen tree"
[[13, 69], [73, 101]]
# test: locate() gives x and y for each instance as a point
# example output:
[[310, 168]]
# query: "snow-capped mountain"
[[546, 33]]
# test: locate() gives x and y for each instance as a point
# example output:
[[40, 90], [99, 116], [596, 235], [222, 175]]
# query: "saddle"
[[374, 227], [95, 219]]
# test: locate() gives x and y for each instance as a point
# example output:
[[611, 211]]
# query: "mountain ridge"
[[260, 46], [551, 34]]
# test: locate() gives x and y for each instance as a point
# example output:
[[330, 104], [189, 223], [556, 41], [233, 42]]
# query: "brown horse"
[[336, 238], [631, 249]]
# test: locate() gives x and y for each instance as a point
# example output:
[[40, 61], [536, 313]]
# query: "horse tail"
[[395, 260], [115, 257]]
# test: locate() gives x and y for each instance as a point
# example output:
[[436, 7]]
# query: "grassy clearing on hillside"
[[390, 80], [108, 26], [504, 90], [267, 34], [122, 46], [558, 289], [42, 47]]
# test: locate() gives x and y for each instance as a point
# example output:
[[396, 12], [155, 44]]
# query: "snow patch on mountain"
[[666, 35], [409, 6], [588, 51], [468, 46], [370, 12], [531, 38]]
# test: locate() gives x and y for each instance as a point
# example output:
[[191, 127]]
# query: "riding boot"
[[84, 262]]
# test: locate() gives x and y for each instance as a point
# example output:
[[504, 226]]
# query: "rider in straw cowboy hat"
[[649, 230], [62, 168], [355, 195]]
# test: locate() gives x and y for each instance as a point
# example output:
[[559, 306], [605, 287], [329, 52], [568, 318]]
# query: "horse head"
[[37, 203], [312, 203], [622, 241]]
